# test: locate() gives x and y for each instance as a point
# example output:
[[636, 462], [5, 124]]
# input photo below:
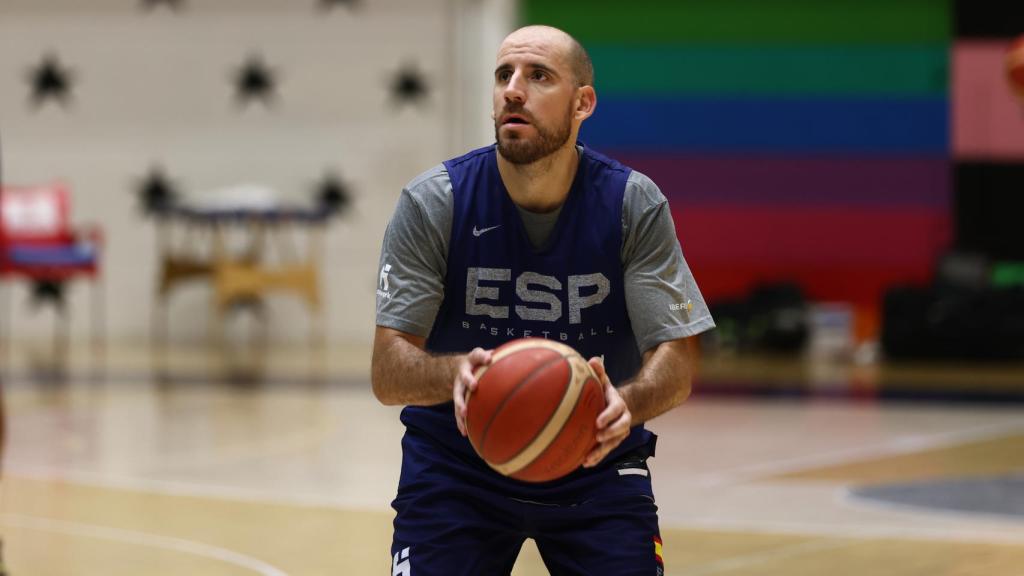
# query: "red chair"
[[38, 244]]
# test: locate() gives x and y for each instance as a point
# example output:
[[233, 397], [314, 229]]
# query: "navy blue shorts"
[[456, 518]]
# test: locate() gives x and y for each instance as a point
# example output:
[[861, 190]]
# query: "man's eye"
[[503, 76], [539, 75]]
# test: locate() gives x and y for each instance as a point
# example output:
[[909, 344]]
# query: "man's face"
[[534, 93]]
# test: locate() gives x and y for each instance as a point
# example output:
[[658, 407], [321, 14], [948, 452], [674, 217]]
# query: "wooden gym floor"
[[202, 463]]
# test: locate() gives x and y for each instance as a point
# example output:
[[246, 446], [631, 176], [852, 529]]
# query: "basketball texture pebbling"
[[533, 415]]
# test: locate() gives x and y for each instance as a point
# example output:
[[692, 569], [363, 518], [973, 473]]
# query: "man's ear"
[[586, 102]]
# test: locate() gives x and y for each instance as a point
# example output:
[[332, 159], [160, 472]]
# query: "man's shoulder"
[[642, 192], [430, 187], [428, 178], [472, 155], [600, 161]]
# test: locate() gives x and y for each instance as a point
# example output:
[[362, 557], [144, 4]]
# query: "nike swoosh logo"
[[482, 231]]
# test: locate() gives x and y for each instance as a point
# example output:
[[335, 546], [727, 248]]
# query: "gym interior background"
[[847, 181]]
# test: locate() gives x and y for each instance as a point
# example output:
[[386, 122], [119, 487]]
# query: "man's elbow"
[[382, 389], [683, 355], [683, 389], [380, 377], [393, 354]]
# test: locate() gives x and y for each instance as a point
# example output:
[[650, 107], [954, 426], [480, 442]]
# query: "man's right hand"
[[465, 382]]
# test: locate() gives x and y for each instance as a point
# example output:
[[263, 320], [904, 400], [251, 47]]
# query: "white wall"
[[154, 87]]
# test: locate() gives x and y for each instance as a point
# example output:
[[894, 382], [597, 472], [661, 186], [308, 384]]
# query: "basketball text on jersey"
[[533, 289], [400, 564], [596, 284]]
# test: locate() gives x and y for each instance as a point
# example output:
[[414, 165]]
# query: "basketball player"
[[535, 236]]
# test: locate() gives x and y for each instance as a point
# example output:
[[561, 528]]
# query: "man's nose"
[[514, 90]]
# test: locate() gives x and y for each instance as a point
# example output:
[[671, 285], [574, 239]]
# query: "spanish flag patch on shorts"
[[657, 552]]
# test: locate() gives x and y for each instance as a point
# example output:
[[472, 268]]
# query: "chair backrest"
[[35, 214]]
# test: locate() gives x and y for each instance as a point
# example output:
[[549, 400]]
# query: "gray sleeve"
[[661, 294], [414, 255]]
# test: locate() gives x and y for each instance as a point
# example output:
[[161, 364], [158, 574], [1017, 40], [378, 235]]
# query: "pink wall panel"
[[988, 121], [843, 236], [834, 253]]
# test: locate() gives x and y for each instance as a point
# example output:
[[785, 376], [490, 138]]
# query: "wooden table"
[[244, 254]]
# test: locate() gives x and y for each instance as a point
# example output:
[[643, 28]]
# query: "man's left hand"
[[612, 423]]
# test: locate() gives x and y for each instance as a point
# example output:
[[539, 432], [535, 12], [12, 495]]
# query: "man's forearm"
[[405, 374], [664, 381]]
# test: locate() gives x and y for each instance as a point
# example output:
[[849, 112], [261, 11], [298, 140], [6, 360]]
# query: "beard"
[[519, 150]]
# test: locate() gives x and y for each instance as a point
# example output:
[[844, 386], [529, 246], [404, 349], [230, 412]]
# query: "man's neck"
[[543, 185]]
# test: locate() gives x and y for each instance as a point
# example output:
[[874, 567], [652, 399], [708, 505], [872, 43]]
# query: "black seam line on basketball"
[[497, 410], [579, 397], [523, 382], [576, 403]]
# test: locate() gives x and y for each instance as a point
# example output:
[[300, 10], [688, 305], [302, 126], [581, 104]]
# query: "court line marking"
[[908, 444], [980, 534], [185, 489], [904, 444], [142, 539]]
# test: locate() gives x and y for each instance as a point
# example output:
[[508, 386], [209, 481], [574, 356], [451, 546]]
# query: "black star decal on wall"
[[409, 86], [254, 80], [327, 5], [172, 4], [333, 196], [48, 291], [50, 81], [156, 192]]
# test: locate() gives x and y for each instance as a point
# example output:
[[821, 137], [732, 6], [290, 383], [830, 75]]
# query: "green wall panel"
[[746, 21], [911, 70]]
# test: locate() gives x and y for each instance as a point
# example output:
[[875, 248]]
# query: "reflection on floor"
[[217, 462]]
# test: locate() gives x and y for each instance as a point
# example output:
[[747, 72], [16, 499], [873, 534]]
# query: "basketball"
[[1015, 67], [533, 414]]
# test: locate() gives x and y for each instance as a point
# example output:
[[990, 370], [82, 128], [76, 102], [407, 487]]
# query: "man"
[[534, 236]]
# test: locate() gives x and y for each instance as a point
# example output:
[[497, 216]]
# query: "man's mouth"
[[513, 119]]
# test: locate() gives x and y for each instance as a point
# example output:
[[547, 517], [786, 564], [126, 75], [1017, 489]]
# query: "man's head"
[[543, 91]]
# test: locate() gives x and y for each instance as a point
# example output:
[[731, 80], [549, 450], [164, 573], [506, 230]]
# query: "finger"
[[597, 365], [479, 357], [596, 455], [612, 412], [460, 412], [466, 383], [460, 417], [459, 386], [459, 398], [616, 406], [617, 430], [460, 407], [607, 443], [469, 384], [461, 425]]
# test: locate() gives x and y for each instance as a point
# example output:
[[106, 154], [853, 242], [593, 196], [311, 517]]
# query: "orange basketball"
[[533, 415], [1015, 67]]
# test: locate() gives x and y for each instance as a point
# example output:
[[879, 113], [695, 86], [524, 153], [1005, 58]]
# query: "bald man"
[[503, 243]]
